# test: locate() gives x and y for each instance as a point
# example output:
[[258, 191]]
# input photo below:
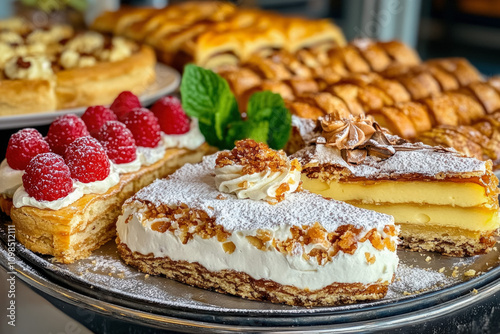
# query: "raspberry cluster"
[[81, 148]]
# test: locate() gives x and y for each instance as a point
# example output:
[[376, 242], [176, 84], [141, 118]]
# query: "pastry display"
[[212, 33], [238, 223], [443, 201], [55, 67], [64, 192], [412, 102]]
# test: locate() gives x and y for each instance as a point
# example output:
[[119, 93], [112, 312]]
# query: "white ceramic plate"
[[167, 81]]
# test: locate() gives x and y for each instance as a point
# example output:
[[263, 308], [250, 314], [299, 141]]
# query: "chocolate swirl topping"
[[358, 137]]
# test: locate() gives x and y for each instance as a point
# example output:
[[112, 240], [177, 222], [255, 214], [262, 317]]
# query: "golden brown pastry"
[[442, 110], [463, 71], [395, 120], [213, 33], [487, 95], [447, 137], [326, 102]]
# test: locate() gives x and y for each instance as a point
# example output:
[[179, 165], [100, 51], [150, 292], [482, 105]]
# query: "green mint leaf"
[[263, 100], [280, 127], [270, 107], [207, 96], [256, 130]]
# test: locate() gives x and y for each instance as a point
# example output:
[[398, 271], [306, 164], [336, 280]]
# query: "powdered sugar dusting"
[[424, 161], [413, 280], [194, 185], [304, 125]]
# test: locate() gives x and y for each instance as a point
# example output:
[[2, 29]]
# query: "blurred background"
[[437, 28]]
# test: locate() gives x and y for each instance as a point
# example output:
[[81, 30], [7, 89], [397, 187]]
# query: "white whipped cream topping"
[[72, 59], [256, 186], [149, 155], [11, 179], [21, 197], [36, 49], [40, 68], [128, 167], [6, 52], [87, 42], [190, 140], [272, 265], [54, 34], [11, 37], [120, 49]]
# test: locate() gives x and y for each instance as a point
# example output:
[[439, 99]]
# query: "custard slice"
[[443, 201]]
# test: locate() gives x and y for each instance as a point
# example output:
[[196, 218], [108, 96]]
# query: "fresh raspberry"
[[95, 117], [87, 160], [118, 142], [63, 131], [124, 103], [23, 146], [172, 118], [47, 177], [144, 126]]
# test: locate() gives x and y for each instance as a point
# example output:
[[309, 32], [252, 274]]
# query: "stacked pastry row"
[[297, 76], [211, 33], [440, 102]]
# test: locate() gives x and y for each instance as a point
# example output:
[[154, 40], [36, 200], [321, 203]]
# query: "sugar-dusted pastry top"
[[420, 160], [359, 147], [194, 185]]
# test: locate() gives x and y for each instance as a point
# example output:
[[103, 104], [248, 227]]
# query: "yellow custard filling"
[[476, 219], [419, 192]]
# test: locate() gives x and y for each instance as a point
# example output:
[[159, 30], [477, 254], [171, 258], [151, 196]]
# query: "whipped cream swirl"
[[266, 185]]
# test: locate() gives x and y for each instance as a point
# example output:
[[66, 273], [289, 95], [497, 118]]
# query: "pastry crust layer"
[[448, 241], [243, 285], [26, 96], [96, 85]]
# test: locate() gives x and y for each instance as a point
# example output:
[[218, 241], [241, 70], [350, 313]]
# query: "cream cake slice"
[[260, 236], [443, 201]]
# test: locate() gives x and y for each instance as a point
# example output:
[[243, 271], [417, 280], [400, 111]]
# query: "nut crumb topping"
[[254, 157], [185, 222], [370, 258]]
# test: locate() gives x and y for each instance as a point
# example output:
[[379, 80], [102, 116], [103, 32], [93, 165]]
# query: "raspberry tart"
[[65, 203], [238, 223]]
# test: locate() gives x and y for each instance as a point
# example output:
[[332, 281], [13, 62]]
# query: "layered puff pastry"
[[467, 119], [66, 69], [212, 33], [294, 76]]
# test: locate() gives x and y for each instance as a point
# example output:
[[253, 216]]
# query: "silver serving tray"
[[103, 284]]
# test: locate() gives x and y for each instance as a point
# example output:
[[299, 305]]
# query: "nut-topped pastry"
[[303, 250], [444, 201]]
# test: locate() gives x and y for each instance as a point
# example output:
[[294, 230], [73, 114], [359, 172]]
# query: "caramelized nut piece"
[[228, 247], [256, 242], [370, 258]]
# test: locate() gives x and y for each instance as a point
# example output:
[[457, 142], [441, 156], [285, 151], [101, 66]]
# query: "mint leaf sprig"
[[207, 96]]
